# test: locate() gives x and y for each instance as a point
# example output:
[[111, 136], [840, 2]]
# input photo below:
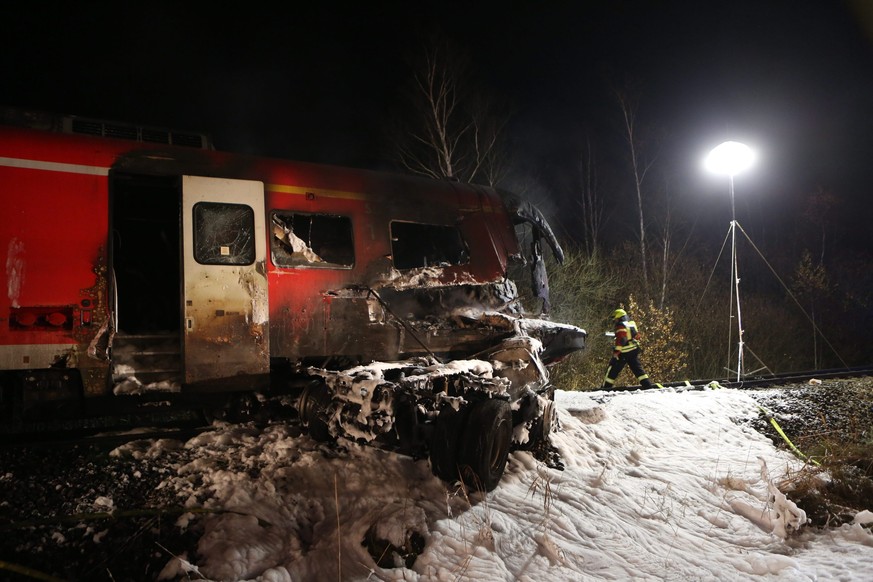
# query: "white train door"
[[225, 309]]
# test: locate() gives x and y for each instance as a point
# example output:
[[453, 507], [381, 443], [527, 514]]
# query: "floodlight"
[[730, 158]]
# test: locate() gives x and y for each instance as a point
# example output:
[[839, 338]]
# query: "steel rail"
[[751, 382]]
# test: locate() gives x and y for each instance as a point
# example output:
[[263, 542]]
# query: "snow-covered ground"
[[664, 485]]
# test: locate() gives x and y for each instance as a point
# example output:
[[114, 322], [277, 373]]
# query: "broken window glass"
[[224, 234], [311, 240], [416, 245]]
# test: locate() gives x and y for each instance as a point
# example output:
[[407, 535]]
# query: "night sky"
[[320, 84]]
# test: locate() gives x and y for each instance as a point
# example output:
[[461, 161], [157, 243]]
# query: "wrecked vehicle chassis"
[[463, 415]]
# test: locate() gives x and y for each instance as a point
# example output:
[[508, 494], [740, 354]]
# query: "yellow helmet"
[[619, 313]]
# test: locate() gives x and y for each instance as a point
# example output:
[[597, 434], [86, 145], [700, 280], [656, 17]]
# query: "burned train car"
[[144, 270]]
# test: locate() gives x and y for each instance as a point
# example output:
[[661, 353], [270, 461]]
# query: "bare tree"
[[812, 284], [590, 201], [453, 130], [819, 212], [666, 242], [639, 167]]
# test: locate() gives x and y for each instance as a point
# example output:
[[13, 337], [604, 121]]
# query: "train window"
[[311, 240], [416, 245], [224, 234]]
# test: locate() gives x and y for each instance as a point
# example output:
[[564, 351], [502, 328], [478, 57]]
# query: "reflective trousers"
[[617, 364]]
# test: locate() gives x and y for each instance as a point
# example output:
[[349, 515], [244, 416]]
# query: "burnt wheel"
[[485, 449], [444, 441], [313, 408], [540, 427]]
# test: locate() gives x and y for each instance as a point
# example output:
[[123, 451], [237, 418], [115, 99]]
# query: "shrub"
[[664, 356]]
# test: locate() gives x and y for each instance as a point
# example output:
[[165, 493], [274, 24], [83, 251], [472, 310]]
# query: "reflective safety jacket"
[[627, 337]]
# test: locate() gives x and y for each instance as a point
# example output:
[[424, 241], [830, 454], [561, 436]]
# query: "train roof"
[[161, 151]]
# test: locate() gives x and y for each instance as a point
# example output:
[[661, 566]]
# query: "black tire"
[[443, 446], [485, 449]]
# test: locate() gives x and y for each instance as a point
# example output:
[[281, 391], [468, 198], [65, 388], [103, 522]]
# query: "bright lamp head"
[[729, 158]]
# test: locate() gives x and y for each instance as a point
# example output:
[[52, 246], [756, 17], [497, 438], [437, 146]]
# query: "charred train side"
[[140, 272]]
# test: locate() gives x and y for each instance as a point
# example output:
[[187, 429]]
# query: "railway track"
[[768, 381], [108, 437], [147, 420]]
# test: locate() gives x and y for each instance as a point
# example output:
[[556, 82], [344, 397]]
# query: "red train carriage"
[[143, 268]]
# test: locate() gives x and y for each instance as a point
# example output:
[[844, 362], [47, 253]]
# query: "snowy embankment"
[[660, 485]]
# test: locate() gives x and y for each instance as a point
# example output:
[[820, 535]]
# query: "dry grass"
[[830, 423], [838, 487]]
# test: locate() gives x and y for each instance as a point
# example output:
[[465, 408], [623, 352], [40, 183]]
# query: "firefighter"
[[626, 351]]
